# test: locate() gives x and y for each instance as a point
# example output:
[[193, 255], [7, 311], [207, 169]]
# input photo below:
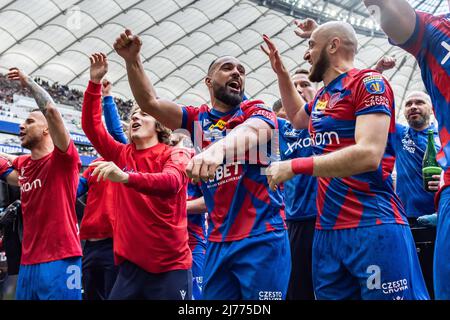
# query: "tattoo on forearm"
[[40, 95]]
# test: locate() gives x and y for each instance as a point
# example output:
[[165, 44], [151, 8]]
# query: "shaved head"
[[341, 30], [332, 45], [218, 61], [419, 94], [38, 115]]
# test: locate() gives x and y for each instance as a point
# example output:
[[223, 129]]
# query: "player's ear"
[[208, 81], [334, 45]]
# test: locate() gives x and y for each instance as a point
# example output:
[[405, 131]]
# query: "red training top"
[[98, 218], [150, 210], [48, 189]]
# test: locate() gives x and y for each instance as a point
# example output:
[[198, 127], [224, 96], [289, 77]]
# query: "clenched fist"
[[305, 28], [279, 172], [128, 46]]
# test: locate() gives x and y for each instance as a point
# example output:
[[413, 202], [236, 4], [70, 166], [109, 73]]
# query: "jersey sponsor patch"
[[265, 113], [321, 105], [377, 101], [220, 124], [374, 84]]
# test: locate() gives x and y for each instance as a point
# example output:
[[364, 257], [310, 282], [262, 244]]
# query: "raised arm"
[[385, 63], [128, 46], [91, 114], [371, 133], [57, 130], [111, 113], [397, 18], [293, 103]]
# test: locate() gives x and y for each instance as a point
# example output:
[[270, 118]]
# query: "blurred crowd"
[[60, 93]]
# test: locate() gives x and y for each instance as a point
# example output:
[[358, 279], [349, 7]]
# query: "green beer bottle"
[[430, 166]]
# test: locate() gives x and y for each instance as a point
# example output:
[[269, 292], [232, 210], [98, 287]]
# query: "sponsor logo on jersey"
[[299, 144], [325, 138], [446, 47], [377, 101], [408, 144], [270, 295], [265, 113], [29, 186], [220, 125], [321, 105], [226, 173]]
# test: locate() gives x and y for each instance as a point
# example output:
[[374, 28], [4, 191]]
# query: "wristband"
[[303, 166]]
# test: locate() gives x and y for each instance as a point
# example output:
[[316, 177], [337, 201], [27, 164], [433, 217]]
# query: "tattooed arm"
[[57, 130]]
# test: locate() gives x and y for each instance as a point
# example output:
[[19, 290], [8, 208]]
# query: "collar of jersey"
[[155, 149], [422, 132], [217, 113], [331, 85]]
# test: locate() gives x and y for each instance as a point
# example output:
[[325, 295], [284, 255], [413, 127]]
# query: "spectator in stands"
[[60, 93]]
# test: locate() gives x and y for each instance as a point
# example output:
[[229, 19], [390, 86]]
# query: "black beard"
[[230, 99], [420, 122], [320, 68]]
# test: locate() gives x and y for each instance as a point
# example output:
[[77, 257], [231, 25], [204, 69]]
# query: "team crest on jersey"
[[334, 99], [374, 84], [321, 105]]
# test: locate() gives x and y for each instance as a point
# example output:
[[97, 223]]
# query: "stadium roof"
[[52, 39]]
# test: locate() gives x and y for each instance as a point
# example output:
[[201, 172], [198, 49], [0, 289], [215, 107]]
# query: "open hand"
[[99, 67]]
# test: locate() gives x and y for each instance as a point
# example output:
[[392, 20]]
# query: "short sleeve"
[[70, 157], [17, 163], [373, 94], [308, 109], [259, 111]]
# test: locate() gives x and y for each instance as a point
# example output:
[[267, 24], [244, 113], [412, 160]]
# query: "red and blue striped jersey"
[[365, 199], [430, 45], [239, 201], [196, 222]]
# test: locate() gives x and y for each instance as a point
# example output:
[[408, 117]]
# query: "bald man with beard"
[[363, 247], [410, 144]]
